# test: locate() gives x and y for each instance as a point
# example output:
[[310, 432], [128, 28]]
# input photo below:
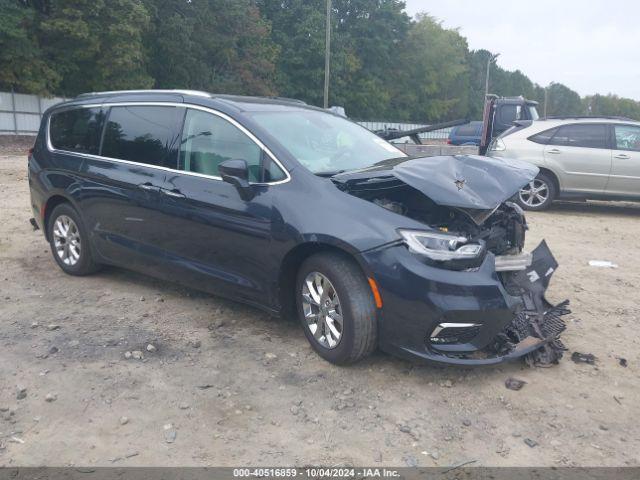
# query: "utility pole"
[[327, 55], [490, 60], [546, 99]]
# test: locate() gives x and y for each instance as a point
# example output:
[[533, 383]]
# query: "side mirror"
[[236, 173]]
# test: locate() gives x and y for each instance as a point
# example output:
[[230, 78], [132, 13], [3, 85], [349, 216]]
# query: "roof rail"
[[289, 99], [233, 97], [591, 117], [116, 92]]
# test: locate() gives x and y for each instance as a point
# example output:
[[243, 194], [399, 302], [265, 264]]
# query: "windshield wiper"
[[329, 173]]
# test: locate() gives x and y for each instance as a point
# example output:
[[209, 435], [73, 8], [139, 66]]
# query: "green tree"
[[432, 82], [372, 31], [22, 64], [297, 27], [561, 100], [215, 45], [612, 105], [365, 35], [95, 45]]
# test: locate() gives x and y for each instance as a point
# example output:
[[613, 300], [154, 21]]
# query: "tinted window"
[[627, 137], [544, 137], [208, 140], [143, 134], [581, 135], [77, 130], [509, 113]]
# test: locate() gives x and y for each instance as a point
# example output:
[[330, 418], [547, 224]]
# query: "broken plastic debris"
[[578, 357], [514, 383], [602, 264]]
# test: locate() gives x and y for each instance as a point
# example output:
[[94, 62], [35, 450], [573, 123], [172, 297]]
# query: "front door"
[[580, 154], [218, 241], [625, 169]]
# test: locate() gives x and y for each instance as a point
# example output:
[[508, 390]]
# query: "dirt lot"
[[228, 385]]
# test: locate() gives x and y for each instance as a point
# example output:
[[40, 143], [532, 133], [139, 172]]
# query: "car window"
[[509, 113], [208, 140], [77, 130], [543, 137], [627, 137], [582, 135], [143, 134]]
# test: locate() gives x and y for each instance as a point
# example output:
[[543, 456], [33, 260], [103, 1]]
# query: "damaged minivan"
[[300, 212]]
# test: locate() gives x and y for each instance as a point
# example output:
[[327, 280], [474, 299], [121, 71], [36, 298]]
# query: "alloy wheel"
[[66, 239], [322, 310], [535, 193]]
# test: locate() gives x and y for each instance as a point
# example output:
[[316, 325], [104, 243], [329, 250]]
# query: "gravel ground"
[[227, 385]]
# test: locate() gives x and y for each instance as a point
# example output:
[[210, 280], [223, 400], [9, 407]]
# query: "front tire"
[[336, 308], [69, 241], [539, 193]]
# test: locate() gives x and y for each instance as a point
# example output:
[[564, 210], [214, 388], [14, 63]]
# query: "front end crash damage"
[[536, 321], [494, 308]]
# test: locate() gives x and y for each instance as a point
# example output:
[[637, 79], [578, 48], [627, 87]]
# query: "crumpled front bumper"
[[508, 311]]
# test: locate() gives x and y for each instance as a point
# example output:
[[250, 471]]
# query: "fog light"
[[450, 333]]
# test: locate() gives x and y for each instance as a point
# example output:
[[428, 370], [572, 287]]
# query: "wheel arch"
[[294, 258], [554, 177], [49, 205]]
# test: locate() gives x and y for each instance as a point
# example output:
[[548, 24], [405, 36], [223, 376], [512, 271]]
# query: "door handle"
[[175, 193], [148, 186], [622, 156], [555, 151]]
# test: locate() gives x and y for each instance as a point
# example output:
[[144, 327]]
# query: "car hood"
[[462, 181]]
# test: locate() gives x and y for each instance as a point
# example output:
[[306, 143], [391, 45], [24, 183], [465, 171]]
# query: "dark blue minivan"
[[298, 211], [467, 134]]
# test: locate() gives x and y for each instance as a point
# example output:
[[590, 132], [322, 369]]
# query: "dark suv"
[[293, 209]]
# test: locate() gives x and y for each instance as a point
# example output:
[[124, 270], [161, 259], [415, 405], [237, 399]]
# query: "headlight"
[[441, 246], [498, 145]]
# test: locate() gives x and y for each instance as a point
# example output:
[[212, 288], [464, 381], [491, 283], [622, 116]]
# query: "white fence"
[[20, 114]]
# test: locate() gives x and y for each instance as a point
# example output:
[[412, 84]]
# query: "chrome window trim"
[[234, 122]]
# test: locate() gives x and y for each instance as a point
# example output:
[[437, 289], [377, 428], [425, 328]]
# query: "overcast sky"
[[592, 46]]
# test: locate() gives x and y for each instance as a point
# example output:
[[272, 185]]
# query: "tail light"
[[448, 141], [30, 151]]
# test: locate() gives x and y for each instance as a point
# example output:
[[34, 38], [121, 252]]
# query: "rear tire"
[[69, 241], [343, 309], [538, 194]]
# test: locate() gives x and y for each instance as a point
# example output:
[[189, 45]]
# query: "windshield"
[[533, 111], [326, 143]]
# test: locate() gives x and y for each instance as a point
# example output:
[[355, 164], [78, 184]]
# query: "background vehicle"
[[578, 157], [467, 134], [500, 113]]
